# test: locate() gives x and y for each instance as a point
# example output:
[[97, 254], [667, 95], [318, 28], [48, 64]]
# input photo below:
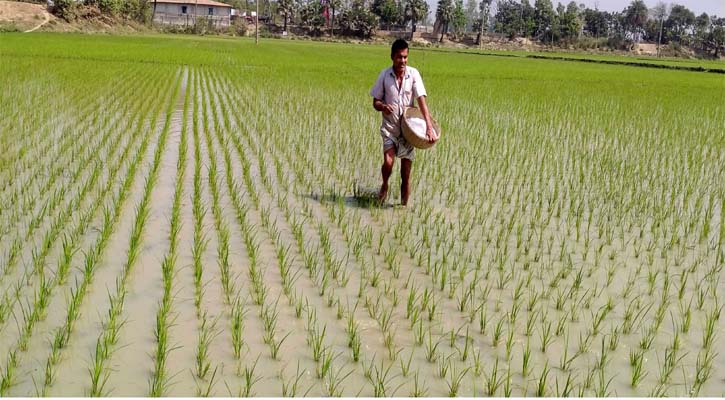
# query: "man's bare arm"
[[430, 132]]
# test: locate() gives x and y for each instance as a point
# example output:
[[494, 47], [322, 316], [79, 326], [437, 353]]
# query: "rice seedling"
[[381, 380], [492, 380], [419, 388], [249, 379], [315, 339], [456, 377], [541, 386], [207, 333], [431, 349]]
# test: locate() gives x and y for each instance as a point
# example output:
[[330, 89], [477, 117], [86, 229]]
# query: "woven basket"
[[419, 142]]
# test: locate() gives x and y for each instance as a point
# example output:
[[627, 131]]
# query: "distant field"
[[682, 63], [194, 216]]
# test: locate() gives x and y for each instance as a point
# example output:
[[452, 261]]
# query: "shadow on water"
[[366, 198]]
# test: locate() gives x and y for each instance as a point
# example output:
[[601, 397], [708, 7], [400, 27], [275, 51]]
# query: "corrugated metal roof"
[[193, 2]]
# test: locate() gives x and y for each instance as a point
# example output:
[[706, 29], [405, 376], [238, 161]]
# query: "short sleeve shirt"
[[386, 89]]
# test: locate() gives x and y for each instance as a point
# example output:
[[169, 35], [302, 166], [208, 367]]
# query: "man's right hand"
[[387, 109]]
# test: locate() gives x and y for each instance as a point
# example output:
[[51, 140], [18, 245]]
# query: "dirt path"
[[46, 19], [26, 17]]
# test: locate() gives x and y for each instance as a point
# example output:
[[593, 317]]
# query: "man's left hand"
[[431, 134]]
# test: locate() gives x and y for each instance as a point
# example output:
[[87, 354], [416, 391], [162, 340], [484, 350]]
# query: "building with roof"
[[186, 12]]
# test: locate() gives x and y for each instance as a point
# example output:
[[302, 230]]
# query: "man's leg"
[[386, 170], [405, 167]]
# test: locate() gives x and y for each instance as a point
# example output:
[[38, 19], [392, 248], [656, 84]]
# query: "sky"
[[711, 7]]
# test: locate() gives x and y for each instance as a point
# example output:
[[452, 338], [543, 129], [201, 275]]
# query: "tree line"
[[662, 24], [561, 25]]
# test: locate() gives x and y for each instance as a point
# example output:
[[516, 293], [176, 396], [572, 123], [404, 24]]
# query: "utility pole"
[[659, 37], [256, 24]]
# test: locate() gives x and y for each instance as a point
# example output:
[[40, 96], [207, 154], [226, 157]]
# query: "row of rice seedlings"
[[574, 314], [61, 219], [268, 313], [76, 201], [51, 178], [52, 203], [36, 312], [382, 316], [223, 234], [69, 248], [26, 198], [24, 147], [62, 335], [353, 334], [160, 381], [199, 211], [238, 307], [33, 147], [208, 329], [332, 379], [99, 370]]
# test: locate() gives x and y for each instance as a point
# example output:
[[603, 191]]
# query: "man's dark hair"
[[399, 44]]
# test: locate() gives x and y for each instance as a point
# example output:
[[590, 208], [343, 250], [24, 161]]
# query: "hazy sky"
[[716, 7]]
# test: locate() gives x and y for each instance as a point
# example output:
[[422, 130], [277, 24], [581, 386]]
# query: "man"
[[396, 89]]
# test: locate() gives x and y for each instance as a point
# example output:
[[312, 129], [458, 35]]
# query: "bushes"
[[64, 9]]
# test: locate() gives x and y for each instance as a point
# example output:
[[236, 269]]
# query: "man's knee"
[[389, 158]]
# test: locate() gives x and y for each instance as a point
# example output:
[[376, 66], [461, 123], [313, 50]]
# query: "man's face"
[[400, 60]]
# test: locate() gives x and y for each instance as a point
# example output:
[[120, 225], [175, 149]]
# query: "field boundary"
[[590, 60]]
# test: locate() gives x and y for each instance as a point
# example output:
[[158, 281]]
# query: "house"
[[185, 12]]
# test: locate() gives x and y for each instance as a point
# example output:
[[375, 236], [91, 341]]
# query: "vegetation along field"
[[194, 216]]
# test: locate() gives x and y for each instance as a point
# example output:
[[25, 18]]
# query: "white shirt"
[[386, 89]]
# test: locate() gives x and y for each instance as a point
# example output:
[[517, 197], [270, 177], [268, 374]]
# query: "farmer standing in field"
[[395, 90]]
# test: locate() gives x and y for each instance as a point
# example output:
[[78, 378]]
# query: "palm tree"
[[415, 11], [444, 15], [484, 6]]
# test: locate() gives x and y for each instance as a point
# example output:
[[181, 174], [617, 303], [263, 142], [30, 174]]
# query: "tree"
[[359, 20], [660, 13], [509, 19], [596, 23], [471, 14], [444, 15], [334, 6], [528, 21], [311, 16], [716, 37], [571, 24], [482, 24], [680, 21], [543, 18], [415, 11], [286, 9], [458, 19], [702, 28], [635, 18], [388, 12]]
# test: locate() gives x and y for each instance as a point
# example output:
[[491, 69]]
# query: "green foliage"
[[358, 20], [312, 18], [64, 9]]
